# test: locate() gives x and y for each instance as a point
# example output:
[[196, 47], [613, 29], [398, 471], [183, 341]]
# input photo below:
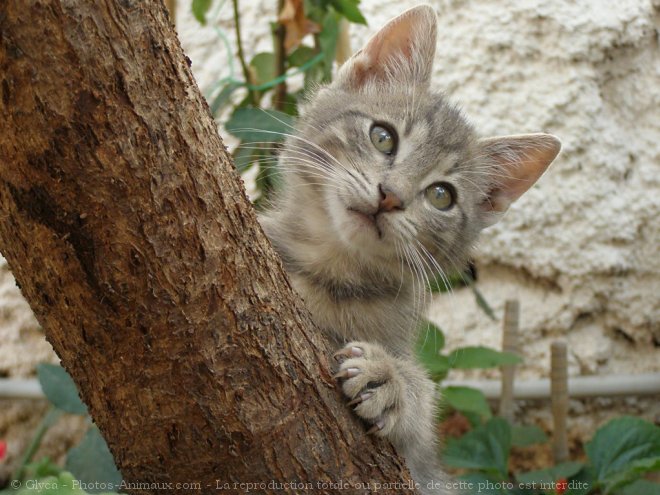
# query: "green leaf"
[[61, 483], [543, 478], [256, 125], [640, 487], [524, 436], [315, 75], [200, 8], [223, 96], [301, 56], [485, 448], [429, 343], [445, 284], [476, 420], [431, 340], [350, 10], [42, 468], [482, 303], [466, 399], [246, 102], [263, 65], [328, 43], [634, 471], [290, 105], [616, 446], [91, 462], [244, 158], [46, 422], [60, 389], [481, 357], [267, 179]]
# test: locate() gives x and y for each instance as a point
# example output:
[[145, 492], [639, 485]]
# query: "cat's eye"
[[383, 139], [441, 195]]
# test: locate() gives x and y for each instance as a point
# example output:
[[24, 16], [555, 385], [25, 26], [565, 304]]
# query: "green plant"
[[618, 456], [45, 477], [262, 106], [90, 463], [469, 401]]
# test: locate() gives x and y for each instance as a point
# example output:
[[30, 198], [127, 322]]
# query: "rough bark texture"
[[130, 235]]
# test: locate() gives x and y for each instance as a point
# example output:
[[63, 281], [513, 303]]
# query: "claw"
[[348, 352], [360, 398], [347, 373], [378, 425]]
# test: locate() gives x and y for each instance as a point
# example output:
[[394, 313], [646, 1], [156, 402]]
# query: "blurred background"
[[579, 252]]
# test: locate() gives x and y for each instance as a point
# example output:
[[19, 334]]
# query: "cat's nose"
[[388, 200]]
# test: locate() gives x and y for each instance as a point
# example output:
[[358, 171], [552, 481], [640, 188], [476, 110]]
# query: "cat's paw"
[[371, 379]]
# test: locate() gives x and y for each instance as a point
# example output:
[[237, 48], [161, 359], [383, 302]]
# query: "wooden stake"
[[509, 344], [559, 398]]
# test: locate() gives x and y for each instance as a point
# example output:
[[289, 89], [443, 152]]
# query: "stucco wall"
[[581, 249]]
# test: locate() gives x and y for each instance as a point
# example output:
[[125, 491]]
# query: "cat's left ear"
[[401, 53], [515, 163]]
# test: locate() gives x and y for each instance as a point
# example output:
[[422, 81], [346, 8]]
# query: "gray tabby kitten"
[[384, 183]]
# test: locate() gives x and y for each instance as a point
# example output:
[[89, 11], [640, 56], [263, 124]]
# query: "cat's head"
[[396, 169]]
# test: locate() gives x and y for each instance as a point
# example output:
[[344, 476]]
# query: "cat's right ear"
[[512, 164], [401, 53]]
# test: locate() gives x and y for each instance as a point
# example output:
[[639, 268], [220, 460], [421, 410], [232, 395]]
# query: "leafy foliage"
[[305, 38], [255, 125], [467, 400], [640, 487], [430, 342], [481, 357], [200, 8], [524, 436], [622, 450], [90, 463], [485, 449], [350, 10], [620, 453], [60, 389], [55, 483]]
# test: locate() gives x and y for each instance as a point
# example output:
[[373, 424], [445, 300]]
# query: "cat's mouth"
[[368, 219]]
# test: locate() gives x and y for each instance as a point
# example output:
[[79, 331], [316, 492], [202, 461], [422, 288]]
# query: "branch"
[[241, 53]]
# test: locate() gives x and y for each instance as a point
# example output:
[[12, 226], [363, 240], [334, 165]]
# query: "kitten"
[[384, 183]]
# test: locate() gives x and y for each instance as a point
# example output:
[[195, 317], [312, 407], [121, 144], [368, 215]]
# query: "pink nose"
[[388, 200]]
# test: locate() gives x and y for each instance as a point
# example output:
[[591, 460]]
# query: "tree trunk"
[[131, 237]]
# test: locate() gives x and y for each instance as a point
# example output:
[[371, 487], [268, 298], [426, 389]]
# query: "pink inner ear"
[[394, 41], [380, 54], [520, 162], [405, 46], [520, 179]]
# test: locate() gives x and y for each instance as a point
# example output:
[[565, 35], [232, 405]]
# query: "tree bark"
[[130, 235]]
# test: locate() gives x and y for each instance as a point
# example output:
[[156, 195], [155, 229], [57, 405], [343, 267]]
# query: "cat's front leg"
[[395, 397]]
